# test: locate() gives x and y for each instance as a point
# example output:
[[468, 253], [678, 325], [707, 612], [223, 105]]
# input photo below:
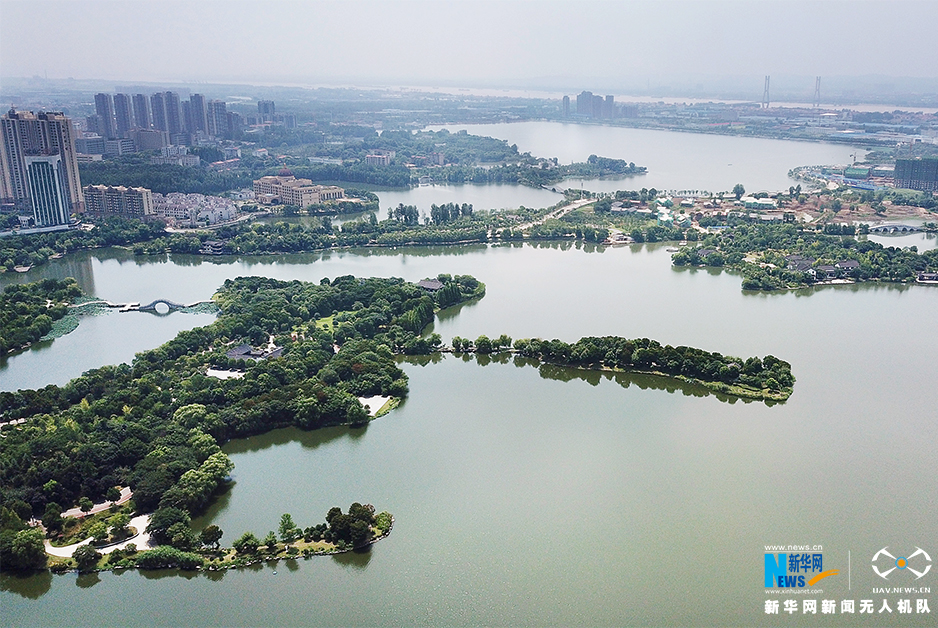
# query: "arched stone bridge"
[[136, 307], [151, 307], [895, 228]]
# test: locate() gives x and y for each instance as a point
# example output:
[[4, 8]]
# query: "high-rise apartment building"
[[920, 173], [141, 111], [104, 108], [566, 106], [597, 106], [584, 104], [235, 124], [166, 111], [198, 119], [174, 120], [158, 111], [106, 199], [40, 166], [123, 114], [266, 109], [217, 118]]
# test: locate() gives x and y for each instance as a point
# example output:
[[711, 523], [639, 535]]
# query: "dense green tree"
[[211, 536], [164, 557], [22, 550], [162, 520], [119, 525], [288, 530], [52, 518], [86, 557], [247, 543], [99, 532]]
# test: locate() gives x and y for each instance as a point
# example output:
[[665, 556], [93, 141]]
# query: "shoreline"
[[734, 390], [235, 563]]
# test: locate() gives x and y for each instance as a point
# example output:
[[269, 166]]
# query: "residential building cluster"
[[109, 199], [181, 121], [176, 155], [39, 167], [192, 210], [288, 190], [591, 106]]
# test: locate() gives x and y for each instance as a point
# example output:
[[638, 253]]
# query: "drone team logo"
[[885, 563]]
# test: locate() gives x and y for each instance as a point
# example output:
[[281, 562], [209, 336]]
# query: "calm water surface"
[[528, 496], [675, 161]]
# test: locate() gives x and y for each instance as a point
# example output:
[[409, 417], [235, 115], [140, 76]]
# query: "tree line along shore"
[[158, 423]]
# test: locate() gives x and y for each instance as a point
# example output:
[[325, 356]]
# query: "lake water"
[[527, 496], [675, 161]]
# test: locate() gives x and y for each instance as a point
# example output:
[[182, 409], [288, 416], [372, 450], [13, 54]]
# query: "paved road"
[[141, 540], [126, 494], [558, 213]]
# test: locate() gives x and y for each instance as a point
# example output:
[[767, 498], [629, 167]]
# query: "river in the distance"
[[527, 496], [675, 161]]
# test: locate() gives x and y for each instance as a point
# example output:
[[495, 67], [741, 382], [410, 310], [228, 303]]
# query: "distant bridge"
[[895, 228], [149, 307]]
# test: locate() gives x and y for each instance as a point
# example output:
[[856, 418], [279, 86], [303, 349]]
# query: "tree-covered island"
[[291, 353], [281, 353], [767, 379], [788, 256], [30, 312]]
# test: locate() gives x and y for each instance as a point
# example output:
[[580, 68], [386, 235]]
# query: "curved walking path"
[[141, 540], [126, 494]]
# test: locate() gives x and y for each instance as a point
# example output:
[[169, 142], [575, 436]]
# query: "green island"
[[280, 353], [178, 546], [789, 256], [36, 311], [768, 379]]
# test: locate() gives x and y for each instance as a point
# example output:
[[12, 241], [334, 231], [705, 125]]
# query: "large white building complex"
[[288, 190], [39, 167]]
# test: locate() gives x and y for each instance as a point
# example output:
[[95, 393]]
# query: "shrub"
[[165, 556]]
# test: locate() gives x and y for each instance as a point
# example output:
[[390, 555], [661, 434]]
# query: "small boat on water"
[[22, 269], [672, 249]]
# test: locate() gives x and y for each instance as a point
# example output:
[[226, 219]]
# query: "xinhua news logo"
[[918, 563], [795, 571]]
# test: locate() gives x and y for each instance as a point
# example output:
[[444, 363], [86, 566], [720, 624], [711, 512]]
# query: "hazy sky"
[[462, 42]]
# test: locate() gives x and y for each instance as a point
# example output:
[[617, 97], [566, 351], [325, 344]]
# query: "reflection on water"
[[593, 377], [355, 560], [87, 580], [30, 586]]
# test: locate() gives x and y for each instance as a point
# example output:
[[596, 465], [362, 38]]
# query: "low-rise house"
[[848, 265], [430, 284], [247, 352], [799, 262]]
